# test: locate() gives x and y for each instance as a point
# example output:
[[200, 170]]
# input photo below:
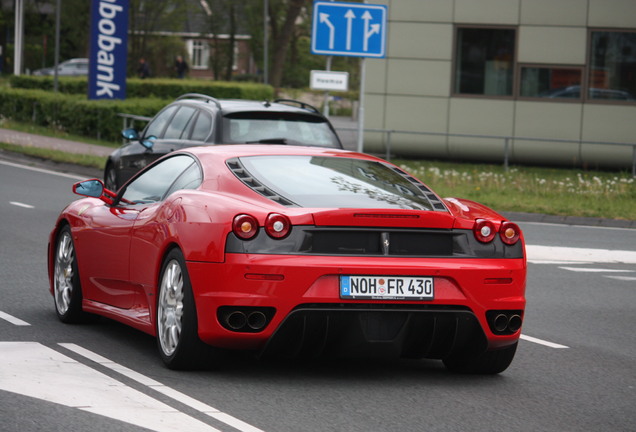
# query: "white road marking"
[[167, 391], [13, 320], [31, 369], [565, 255], [41, 170], [595, 270], [622, 278], [19, 204], [542, 342]]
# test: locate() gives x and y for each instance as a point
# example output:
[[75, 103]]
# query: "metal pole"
[[325, 109], [388, 145], [57, 44], [18, 35], [634, 161], [265, 42], [360, 146], [506, 150]]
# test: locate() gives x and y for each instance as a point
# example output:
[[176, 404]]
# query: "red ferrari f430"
[[292, 251]]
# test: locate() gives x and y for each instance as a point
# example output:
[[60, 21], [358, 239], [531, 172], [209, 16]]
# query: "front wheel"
[[489, 362], [177, 328], [67, 291]]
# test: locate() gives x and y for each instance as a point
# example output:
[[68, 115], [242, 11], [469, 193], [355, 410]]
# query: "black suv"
[[195, 119]]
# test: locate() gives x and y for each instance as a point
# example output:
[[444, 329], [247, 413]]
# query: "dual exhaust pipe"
[[245, 319], [505, 322]]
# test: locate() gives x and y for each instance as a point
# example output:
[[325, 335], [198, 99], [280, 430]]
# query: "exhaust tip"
[[236, 320], [514, 324], [500, 323], [256, 320]]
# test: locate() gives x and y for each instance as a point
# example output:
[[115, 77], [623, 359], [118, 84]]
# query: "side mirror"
[[90, 188], [149, 142], [130, 134]]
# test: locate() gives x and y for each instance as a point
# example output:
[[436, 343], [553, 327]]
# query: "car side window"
[[154, 183], [189, 179], [178, 125], [158, 124], [202, 127]]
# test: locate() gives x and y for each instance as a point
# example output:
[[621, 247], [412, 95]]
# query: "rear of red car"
[[356, 257]]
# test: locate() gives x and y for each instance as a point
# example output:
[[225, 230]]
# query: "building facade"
[[561, 73]]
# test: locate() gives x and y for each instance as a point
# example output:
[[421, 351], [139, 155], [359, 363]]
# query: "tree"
[[283, 16]]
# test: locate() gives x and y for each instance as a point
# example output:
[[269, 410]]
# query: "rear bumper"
[[309, 314]]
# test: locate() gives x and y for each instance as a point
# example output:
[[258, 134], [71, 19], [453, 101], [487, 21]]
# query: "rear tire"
[[177, 327], [487, 363]]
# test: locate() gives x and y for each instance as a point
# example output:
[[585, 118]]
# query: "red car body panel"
[[120, 251]]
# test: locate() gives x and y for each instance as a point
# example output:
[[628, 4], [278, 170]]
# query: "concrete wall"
[[411, 89]]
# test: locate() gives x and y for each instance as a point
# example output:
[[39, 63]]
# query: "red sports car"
[[292, 251]]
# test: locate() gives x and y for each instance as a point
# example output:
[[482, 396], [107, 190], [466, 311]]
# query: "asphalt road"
[[575, 369]]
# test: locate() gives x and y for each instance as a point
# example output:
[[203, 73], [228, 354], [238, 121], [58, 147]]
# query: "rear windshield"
[[278, 128], [336, 182]]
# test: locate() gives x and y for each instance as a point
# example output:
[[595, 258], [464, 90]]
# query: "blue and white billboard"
[[108, 49]]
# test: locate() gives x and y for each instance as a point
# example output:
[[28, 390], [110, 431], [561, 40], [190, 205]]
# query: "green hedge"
[[74, 113], [30, 99], [160, 88]]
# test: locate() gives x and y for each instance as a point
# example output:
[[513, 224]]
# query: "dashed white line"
[[167, 391], [19, 204], [41, 170], [542, 342], [13, 320]]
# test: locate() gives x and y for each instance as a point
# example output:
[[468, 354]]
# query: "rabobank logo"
[[109, 49]]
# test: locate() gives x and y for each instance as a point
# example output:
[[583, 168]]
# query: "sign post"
[[350, 29]]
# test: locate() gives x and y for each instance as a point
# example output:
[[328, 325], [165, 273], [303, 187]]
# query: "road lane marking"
[[44, 171], [595, 270], [34, 370], [622, 278], [567, 255], [543, 342], [13, 320], [167, 391], [19, 204]]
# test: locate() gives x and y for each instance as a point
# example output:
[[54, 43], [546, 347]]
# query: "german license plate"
[[386, 287]]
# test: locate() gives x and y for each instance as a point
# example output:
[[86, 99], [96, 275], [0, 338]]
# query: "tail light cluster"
[[485, 231], [277, 226]]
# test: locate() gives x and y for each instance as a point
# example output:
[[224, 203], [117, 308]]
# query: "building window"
[[550, 82], [484, 61], [199, 54], [612, 68]]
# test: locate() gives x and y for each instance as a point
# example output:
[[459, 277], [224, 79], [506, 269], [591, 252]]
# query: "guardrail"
[[506, 140], [130, 119]]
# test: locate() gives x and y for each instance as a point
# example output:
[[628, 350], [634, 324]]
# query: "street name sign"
[[329, 80], [349, 29]]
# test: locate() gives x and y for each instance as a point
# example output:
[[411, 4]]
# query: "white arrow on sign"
[[369, 30], [324, 18], [349, 16]]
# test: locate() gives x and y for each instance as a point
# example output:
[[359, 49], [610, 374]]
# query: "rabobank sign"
[[109, 49]]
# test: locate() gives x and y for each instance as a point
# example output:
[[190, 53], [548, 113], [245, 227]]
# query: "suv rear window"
[[278, 128]]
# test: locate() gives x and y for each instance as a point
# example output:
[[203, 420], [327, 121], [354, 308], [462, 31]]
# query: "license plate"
[[386, 287]]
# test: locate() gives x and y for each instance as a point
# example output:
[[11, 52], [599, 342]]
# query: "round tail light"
[[277, 226], [484, 230], [245, 226], [509, 233]]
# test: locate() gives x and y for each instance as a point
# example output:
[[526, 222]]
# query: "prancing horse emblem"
[[385, 243]]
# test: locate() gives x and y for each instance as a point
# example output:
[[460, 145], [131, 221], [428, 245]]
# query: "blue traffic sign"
[[349, 29]]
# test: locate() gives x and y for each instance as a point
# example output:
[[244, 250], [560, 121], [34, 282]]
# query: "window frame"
[[518, 79]]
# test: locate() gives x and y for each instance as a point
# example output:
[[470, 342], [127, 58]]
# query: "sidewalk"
[[30, 140]]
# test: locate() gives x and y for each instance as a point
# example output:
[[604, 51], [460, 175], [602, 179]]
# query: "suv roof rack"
[[302, 104], [201, 96]]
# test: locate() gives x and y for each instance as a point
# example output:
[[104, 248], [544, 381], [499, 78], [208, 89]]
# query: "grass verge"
[[554, 191], [57, 156]]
